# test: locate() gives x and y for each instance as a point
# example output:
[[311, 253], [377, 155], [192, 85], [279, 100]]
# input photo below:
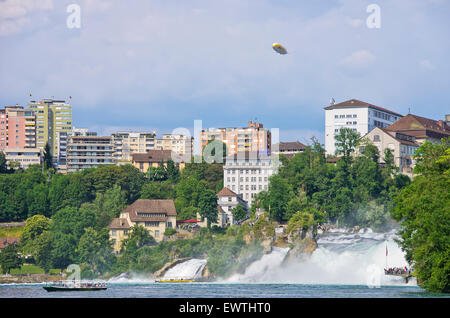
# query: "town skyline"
[[157, 66]]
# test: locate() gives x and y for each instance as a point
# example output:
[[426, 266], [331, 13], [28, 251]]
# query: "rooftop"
[[150, 206], [153, 156], [417, 123], [358, 103], [225, 192]]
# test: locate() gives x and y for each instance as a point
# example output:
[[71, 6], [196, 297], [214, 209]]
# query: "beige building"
[[128, 143], [153, 158], [25, 157], [89, 152], [254, 138], [421, 128], [154, 215], [401, 145], [289, 149], [179, 144]]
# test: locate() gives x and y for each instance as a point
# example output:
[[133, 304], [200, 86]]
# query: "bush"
[[169, 232]]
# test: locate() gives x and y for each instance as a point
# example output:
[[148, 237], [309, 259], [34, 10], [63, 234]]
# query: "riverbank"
[[29, 279]]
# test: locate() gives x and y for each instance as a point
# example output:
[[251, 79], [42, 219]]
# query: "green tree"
[[158, 190], [157, 173], [34, 227], [3, 165], [95, 250], [10, 258], [207, 204], [239, 213], [48, 159], [423, 210], [172, 172], [276, 199], [346, 141]]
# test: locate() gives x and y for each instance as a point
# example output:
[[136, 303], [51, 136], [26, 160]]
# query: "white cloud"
[[14, 14], [426, 65], [355, 23], [359, 59]]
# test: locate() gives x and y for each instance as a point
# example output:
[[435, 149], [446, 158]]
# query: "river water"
[[345, 265]]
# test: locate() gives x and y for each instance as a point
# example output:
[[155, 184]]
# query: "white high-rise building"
[[357, 115], [247, 173]]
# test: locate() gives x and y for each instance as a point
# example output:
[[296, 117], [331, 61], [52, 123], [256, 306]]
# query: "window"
[[156, 233], [376, 138]]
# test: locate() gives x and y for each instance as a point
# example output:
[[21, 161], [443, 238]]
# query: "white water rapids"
[[340, 259]]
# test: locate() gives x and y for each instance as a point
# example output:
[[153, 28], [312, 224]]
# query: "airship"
[[279, 48]]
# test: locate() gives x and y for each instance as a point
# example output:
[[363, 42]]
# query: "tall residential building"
[[248, 173], [17, 128], [87, 151], [254, 138], [180, 144], [52, 118], [128, 143], [357, 115]]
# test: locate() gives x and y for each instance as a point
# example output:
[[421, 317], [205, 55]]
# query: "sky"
[[159, 65]]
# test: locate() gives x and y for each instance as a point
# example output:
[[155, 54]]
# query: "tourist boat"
[[175, 280], [75, 286]]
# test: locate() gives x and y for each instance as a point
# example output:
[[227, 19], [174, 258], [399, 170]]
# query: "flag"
[[386, 250]]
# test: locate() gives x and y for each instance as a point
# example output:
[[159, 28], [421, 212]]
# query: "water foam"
[[341, 259]]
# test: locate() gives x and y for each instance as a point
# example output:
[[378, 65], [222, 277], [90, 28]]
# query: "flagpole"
[[386, 254]]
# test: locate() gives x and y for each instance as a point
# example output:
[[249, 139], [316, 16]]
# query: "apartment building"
[[128, 143], [357, 115], [89, 152], [23, 157], [53, 117], [17, 128], [254, 138], [248, 173], [154, 215], [180, 144]]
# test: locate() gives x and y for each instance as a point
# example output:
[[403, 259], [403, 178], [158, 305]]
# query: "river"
[[345, 265]]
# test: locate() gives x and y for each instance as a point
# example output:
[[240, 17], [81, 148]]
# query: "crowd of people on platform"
[[396, 271]]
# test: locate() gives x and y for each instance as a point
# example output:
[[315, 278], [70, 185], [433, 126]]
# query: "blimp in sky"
[[279, 48]]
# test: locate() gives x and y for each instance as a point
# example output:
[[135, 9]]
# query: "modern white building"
[[357, 115], [247, 173]]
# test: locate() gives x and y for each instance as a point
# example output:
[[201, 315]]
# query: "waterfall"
[[189, 269], [341, 258], [262, 269]]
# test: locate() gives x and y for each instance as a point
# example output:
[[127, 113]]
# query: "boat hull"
[[68, 289]]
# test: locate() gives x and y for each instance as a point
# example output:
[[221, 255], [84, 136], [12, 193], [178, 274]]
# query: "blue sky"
[[159, 65]]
